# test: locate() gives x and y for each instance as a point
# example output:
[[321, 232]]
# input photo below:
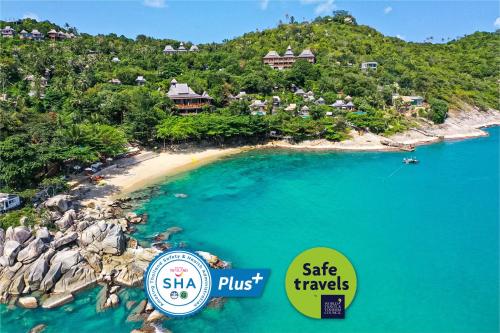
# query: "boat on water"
[[410, 160]]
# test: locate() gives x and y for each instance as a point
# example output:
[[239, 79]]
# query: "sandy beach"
[[149, 168], [146, 169]]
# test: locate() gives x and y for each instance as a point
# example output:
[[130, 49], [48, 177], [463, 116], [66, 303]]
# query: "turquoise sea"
[[424, 239]]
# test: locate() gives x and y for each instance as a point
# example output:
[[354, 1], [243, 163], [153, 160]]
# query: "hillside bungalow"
[[320, 101], [182, 49], [115, 60], [36, 35], [185, 99], [52, 34], [140, 80], [8, 202], [341, 105], [369, 65], [115, 81], [7, 32], [291, 108], [407, 102], [304, 111], [24, 34], [300, 92], [258, 107], [273, 59]]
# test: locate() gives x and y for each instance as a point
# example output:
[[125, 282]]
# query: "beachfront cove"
[[414, 227]]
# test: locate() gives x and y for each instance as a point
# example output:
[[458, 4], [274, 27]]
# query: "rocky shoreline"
[[79, 247]]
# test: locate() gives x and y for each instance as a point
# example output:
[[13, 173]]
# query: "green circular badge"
[[321, 283]]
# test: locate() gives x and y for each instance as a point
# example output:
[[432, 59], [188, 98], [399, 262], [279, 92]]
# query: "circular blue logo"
[[178, 283]]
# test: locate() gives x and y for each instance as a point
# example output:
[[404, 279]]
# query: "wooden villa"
[[168, 50], [273, 59], [7, 32], [185, 99]]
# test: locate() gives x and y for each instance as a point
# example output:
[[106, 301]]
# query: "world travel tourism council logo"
[[179, 283]]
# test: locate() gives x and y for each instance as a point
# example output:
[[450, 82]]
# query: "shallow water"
[[424, 239]]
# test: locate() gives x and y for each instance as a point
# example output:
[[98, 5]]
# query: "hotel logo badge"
[[321, 283], [178, 283]]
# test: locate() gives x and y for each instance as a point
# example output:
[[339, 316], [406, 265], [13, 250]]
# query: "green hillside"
[[78, 117]]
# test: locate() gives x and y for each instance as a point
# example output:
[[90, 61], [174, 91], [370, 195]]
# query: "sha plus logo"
[[178, 283]]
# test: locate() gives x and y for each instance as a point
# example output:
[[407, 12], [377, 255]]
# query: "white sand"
[[149, 168]]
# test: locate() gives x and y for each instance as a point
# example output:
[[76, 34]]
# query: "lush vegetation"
[[78, 117]]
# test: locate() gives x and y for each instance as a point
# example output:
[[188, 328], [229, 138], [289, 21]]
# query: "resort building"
[[291, 108], [342, 105], [369, 65], [300, 92], [53, 35], [406, 103], [115, 81], [320, 101], [241, 95], [170, 50], [24, 34], [185, 99], [8, 202], [115, 60], [258, 107], [36, 35], [7, 32], [273, 59], [140, 80], [304, 111]]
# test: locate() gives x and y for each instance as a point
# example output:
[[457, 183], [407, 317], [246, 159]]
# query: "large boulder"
[[19, 234], [67, 259], [32, 251], [2, 241], [44, 234], [60, 203], [67, 220], [57, 300], [60, 264], [76, 279], [103, 237], [10, 251], [7, 275], [64, 240], [28, 302], [36, 272], [51, 277]]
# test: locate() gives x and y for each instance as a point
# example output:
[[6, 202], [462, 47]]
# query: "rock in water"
[[38, 328], [137, 312], [76, 279], [155, 316], [56, 300], [28, 302]]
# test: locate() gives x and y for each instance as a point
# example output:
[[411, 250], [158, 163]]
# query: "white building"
[[9, 201]]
